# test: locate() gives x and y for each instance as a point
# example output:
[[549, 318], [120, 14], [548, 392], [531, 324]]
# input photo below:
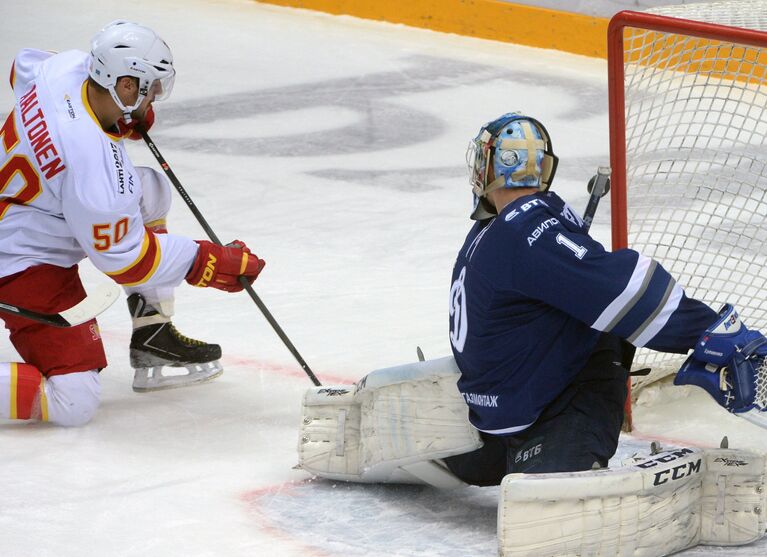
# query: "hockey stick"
[[598, 187], [212, 235], [96, 302]]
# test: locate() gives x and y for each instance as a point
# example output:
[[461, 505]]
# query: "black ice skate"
[[156, 344]]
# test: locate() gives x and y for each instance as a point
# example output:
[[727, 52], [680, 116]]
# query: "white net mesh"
[[696, 161], [761, 384], [746, 14]]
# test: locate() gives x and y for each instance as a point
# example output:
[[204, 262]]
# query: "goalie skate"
[[156, 344]]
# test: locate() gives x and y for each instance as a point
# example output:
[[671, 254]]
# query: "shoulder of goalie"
[[670, 501], [394, 426]]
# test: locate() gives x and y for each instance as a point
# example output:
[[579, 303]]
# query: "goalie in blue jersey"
[[543, 325], [543, 321], [539, 312]]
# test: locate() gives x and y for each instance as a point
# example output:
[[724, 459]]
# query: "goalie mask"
[[520, 152], [123, 48]]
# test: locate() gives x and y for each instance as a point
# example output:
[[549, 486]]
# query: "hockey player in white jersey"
[[68, 191]]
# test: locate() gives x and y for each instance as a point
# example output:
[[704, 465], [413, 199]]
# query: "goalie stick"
[[598, 187], [212, 235], [95, 302]]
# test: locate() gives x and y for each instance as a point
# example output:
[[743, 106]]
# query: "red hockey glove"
[[129, 130], [221, 266]]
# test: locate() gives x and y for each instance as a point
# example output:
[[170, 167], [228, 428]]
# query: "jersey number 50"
[[17, 164], [107, 235]]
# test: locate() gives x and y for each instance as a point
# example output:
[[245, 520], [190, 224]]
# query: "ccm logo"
[[677, 472], [207, 274]]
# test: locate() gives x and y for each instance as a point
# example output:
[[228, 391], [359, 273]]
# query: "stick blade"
[[97, 301], [756, 417]]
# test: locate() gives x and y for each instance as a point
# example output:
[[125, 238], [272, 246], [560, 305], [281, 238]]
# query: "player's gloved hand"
[[221, 266], [729, 362], [129, 130]]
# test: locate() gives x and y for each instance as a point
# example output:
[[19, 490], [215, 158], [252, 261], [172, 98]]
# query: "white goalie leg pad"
[[393, 426], [734, 509], [671, 501], [329, 439]]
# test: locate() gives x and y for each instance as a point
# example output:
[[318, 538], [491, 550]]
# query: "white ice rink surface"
[[335, 148]]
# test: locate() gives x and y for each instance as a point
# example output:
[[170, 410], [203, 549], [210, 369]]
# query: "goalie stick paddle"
[[212, 235], [95, 302]]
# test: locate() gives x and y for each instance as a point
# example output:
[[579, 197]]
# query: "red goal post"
[[688, 152]]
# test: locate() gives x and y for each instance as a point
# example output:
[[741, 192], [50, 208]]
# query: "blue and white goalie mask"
[[513, 151]]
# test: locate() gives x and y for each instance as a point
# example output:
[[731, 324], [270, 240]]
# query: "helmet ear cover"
[[483, 151]]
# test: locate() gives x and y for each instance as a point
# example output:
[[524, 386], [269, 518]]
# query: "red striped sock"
[[27, 393]]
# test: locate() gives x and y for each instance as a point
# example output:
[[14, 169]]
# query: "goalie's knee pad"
[[393, 426], [155, 198], [673, 500]]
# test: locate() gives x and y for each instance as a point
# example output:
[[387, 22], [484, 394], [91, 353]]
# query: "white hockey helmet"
[[519, 149], [125, 48]]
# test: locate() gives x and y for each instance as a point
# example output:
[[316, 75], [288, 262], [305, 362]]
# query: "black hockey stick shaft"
[[212, 235], [53, 319], [598, 187]]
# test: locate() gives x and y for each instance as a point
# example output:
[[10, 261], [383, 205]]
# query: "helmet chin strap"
[[126, 110], [496, 184]]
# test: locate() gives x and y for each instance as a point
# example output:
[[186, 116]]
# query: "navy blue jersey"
[[531, 292]]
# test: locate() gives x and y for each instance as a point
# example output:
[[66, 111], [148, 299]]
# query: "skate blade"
[[149, 379]]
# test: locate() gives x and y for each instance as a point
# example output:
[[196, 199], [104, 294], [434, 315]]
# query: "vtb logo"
[[207, 274]]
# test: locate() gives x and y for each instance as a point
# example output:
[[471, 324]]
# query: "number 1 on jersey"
[[579, 251]]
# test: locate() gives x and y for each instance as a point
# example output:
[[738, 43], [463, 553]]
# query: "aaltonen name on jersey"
[[37, 131]]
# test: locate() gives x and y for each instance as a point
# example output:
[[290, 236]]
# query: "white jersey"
[[68, 189]]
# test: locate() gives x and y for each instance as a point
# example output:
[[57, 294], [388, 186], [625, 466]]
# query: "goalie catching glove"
[[729, 362], [222, 266]]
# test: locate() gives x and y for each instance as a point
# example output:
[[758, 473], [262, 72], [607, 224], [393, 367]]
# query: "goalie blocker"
[[396, 425]]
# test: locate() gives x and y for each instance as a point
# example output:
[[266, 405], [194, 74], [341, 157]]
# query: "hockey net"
[[688, 148]]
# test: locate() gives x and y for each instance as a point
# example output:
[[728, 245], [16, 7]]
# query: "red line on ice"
[[253, 499], [288, 370]]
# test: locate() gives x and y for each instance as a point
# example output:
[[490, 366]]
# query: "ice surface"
[[335, 148]]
